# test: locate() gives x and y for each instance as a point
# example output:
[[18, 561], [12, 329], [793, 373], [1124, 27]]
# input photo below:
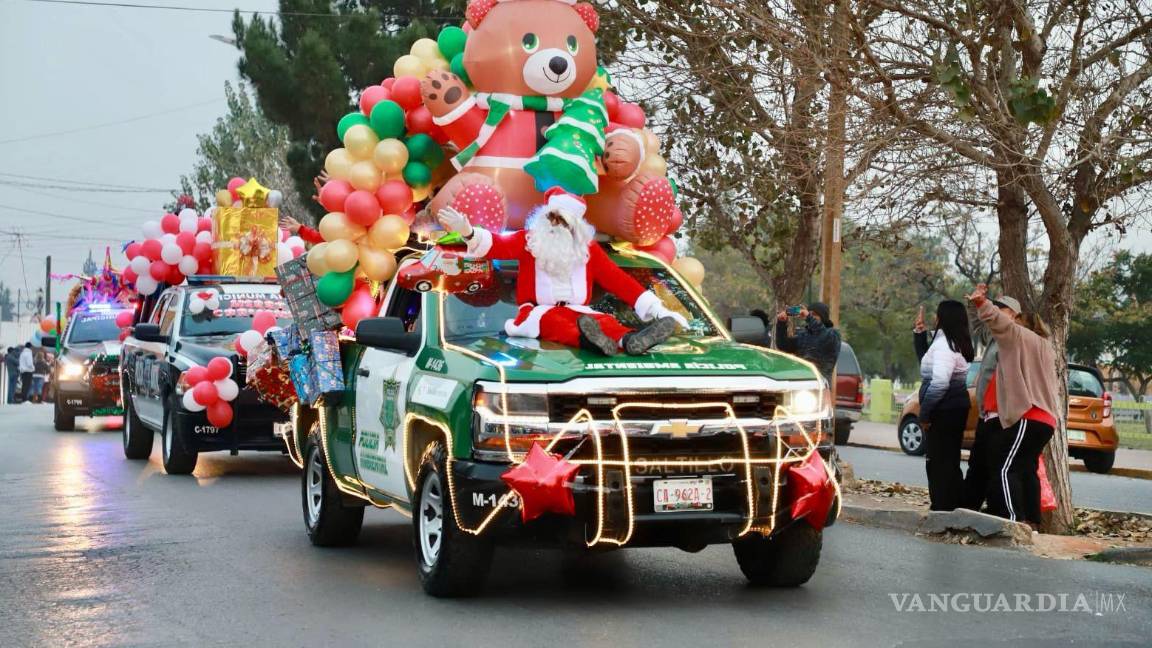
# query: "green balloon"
[[348, 121], [457, 66], [387, 120], [451, 41], [334, 288], [422, 148], [417, 174]]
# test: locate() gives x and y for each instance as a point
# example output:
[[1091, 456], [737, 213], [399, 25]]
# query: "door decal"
[[388, 416]]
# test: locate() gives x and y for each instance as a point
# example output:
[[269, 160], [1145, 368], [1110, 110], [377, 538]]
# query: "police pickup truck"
[[168, 339], [87, 376], [705, 440]]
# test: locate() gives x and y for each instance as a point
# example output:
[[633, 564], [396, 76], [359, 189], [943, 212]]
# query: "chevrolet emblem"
[[679, 428]]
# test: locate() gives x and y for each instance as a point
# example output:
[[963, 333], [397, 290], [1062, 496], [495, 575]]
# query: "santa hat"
[[570, 206]]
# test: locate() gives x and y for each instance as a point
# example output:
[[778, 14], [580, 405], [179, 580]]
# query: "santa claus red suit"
[[560, 261]]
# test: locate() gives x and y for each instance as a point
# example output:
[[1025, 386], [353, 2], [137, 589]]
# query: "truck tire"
[[451, 561], [843, 430], [330, 522], [137, 438], [787, 559], [62, 420], [1099, 461], [911, 436], [178, 458]]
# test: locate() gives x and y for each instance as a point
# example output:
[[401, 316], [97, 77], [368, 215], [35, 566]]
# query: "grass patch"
[[1134, 435]]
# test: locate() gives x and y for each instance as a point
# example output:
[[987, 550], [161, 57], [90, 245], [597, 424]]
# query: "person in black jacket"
[[817, 341]]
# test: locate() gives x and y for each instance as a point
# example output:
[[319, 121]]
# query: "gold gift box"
[[246, 239]]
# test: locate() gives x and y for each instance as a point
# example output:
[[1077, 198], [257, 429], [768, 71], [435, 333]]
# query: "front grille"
[[104, 367], [563, 407]]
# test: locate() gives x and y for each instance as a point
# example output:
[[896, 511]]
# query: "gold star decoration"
[[253, 194]]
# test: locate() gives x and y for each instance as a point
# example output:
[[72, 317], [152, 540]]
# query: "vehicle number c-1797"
[[206, 429]]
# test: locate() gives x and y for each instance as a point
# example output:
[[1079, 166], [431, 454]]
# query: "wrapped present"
[[273, 385], [299, 287], [246, 239], [300, 371], [285, 342], [327, 371]]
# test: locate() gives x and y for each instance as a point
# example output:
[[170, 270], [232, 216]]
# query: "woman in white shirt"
[[944, 403]]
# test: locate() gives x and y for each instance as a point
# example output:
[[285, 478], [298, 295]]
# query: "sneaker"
[[593, 338], [639, 342]]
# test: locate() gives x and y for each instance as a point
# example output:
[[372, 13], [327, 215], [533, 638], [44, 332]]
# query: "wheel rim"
[[314, 487], [431, 519], [127, 434], [167, 438], [912, 435]]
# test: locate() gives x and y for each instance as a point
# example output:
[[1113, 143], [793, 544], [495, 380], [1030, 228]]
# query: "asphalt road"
[[1109, 492], [99, 551]]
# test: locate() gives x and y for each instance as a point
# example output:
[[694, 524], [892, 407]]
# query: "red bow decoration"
[[542, 484], [811, 491]]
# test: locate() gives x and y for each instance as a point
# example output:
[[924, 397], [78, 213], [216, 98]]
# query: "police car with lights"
[[168, 338], [86, 375]]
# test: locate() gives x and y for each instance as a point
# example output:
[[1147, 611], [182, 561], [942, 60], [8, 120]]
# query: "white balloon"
[[204, 237], [171, 253], [190, 403], [275, 198], [283, 254], [211, 211], [188, 213], [196, 306], [146, 285], [188, 265], [152, 229], [227, 388], [188, 225], [250, 340], [295, 241], [167, 238], [140, 265]]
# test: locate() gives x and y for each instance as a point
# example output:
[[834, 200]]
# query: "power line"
[[86, 202], [121, 122], [78, 219], [82, 182], [254, 12], [40, 185]]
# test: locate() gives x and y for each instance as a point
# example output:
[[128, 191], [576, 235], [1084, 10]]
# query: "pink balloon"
[[236, 183], [205, 393], [677, 220], [297, 251], [362, 207], [124, 334], [388, 83], [262, 321], [175, 277], [151, 249], [158, 270], [132, 251], [202, 252], [631, 115], [409, 215], [334, 193], [419, 120], [360, 304], [196, 375], [284, 234], [124, 318], [129, 275], [395, 197], [371, 96], [612, 103], [220, 414], [186, 241], [204, 224], [170, 223], [665, 248], [219, 369], [406, 92]]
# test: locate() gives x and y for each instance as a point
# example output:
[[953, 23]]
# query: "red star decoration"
[[811, 491], [542, 484]]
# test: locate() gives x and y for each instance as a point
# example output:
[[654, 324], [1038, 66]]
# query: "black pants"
[[981, 464], [1015, 491], [25, 385], [943, 439]]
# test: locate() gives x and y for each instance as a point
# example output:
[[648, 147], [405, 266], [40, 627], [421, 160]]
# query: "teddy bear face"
[[532, 47]]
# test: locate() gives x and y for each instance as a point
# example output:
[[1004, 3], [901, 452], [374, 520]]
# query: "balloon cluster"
[[48, 324], [211, 388], [124, 321], [231, 197], [248, 342], [173, 247]]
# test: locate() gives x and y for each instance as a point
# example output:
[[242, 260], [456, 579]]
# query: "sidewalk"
[[1130, 463]]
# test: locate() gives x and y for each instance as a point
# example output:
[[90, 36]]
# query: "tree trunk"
[[1012, 214]]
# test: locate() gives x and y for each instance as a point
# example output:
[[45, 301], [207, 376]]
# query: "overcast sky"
[[84, 68]]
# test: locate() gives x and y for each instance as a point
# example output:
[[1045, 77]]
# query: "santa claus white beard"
[[556, 248]]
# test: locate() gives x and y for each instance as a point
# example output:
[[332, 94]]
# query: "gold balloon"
[[426, 49], [342, 255], [224, 198], [654, 164], [338, 163], [316, 261], [440, 63], [337, 227], [651, 141], [691, 269], [390, 156], [253, 194], [409, 65], [420, 194], [377, 265], [364, 175], [359, 141], [389, 233]]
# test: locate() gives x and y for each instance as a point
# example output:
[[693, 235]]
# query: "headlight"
[[508, 420], [808, 403], [511, 407], [71, 370]]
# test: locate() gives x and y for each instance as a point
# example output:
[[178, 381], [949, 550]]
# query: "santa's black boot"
[[639, 342], [593, 338]]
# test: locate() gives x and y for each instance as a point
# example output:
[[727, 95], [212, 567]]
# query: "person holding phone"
[[817, 341]]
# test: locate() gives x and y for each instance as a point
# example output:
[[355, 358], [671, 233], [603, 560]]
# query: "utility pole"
[[830, 261], [48, 285]]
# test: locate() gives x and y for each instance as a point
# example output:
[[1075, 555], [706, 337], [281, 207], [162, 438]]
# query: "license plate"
[[282, 430], [673, 495], [1077, 435]]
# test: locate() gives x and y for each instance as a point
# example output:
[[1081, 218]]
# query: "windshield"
[[90, 327], [1084, 383], [234, 314], [483, 314], [846, 364]]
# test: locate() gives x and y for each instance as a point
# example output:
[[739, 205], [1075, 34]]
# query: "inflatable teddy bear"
[[530, 64]]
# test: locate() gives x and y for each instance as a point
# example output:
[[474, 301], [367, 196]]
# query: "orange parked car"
[[1091, 429]]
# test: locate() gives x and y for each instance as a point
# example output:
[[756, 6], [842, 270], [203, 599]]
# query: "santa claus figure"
[[559, 262]]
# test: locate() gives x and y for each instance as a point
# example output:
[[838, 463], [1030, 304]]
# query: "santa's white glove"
[[454, 221], [649, 308], [663, 311]]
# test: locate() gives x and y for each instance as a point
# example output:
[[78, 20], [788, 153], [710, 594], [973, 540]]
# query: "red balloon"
[[175, 277], [202, 252], [124, 334], [362, 207], [196, 375], [262, 321], [158, 270], [132, 251], [371, 96], [219, 369], [360, 304], [205, 393], [419, 120], [205, 268], [334, 193], [151, 249], [409, 215], [631, 115], [395, 197], [204, 224], [297, 251], [677, 220], [388, 83], [124, 318], [236, 183], [665, 248], [238, 348], [170, 223], [220, 414], [186, 241], [129, 275], [612, 103], [406, 92]]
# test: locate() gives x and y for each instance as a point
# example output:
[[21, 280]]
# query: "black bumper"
[[251, 428], [77, 399]]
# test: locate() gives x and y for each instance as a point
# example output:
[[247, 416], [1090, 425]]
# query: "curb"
[[986, 529], [1133, 473], [1141, 556]]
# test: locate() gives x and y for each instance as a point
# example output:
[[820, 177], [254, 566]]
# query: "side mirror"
[[749, 330], [48, 342], [149, 333], [387, 333]]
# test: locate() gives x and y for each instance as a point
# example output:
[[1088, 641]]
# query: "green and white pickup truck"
[[703, 441]]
